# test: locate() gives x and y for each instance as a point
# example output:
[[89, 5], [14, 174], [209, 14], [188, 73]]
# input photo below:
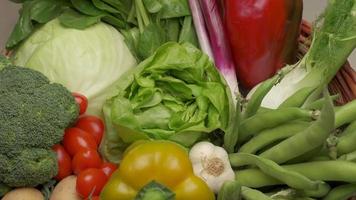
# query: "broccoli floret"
[[29, 167], [4, 62], [33, 115], [20, 80]]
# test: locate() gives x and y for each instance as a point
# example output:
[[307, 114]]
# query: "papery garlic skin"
[[211, 163]]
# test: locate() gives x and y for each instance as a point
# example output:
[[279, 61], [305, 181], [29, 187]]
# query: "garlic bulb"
[[211, 163]]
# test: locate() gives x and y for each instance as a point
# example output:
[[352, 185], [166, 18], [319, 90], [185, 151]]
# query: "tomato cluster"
[[78, 153]]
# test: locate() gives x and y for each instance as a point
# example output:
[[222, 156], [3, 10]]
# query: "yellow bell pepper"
[[156, 170]]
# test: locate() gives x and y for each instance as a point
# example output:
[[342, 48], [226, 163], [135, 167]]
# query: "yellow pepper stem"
[[155, 191]]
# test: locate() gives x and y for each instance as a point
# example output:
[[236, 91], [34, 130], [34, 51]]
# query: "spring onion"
[[217, 39]]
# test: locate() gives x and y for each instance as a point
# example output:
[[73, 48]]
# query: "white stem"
[[199, 25]]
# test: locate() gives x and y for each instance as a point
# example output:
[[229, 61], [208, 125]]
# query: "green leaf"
[[105, 7], [123, 6], [172, 28], [150, 39], [174, 8], [87, 7], [188, 33], [40, 11], [44, 11], [72, 19], [153, 6], [117, 22], [131, 39], [23, 27]]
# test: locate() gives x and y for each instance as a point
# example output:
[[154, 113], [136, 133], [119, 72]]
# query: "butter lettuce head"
[[176, 94], [88, 61]]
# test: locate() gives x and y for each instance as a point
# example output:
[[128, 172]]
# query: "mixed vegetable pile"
[[121, 99]]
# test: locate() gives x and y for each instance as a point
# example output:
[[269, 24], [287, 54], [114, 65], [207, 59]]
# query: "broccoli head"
[[28, 168], [33, 115], [33, 111]]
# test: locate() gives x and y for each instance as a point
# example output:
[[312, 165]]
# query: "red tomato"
[[108, 168], [64, 162], [76, 139], [82, 101], [92, 125], [90, 182], [93, 198], [84, 159]]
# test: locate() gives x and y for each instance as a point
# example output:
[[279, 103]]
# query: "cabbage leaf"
[[88, 61]]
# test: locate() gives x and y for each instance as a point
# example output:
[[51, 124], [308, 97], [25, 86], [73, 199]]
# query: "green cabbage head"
[[176, 94], [88, 61]]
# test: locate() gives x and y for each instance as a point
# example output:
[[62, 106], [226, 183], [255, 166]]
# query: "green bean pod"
[[346, 143], [347, 138], [308, 156], [270, 119], [302, 194], [335, 170], [290, 178], [255, 100], [298, 98], [231, 190], [232, 134], [342, 192], [351, 157], [260, 179], [349, 129], [269, 136], [318, 104], [346, 114], [289, 194], [251, 194], [320, 192], [264, 109], [307, 140]]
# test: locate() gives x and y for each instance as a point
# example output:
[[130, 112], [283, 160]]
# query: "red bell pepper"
[[263, 36]]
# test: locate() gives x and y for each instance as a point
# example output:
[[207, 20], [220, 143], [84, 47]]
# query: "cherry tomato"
[[82, 101], [64, 162], [93, 198], [108, 168], [84, 159], [90, 182], [92, 125], [76, 139]]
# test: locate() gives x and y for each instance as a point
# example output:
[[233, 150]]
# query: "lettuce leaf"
[[176, 94]]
